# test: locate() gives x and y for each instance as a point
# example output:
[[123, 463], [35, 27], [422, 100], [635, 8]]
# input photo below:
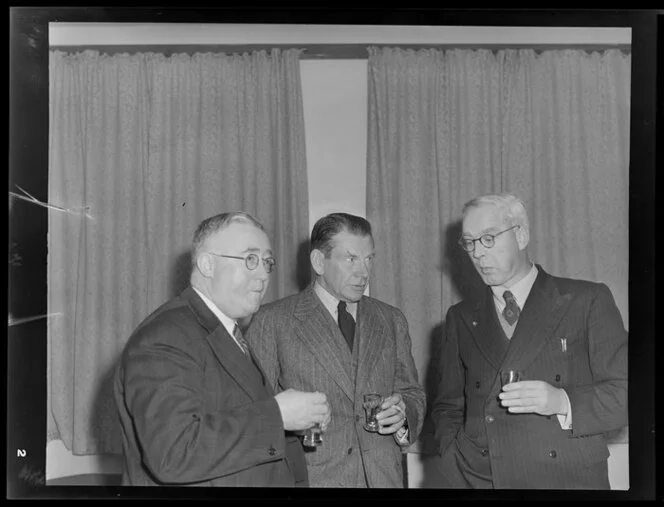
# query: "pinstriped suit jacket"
[[300, 346], [571, 335], [195, 411]]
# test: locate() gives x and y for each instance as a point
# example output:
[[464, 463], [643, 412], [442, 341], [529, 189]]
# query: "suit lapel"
[[318, 331], [481, 322], [227, 352], [543, 311], [369, 336]]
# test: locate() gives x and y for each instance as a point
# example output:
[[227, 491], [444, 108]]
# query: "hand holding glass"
[[371, 403]]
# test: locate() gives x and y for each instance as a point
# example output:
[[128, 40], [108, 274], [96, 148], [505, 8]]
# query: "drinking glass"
[[509, 376], [313, 436], [371, 403]]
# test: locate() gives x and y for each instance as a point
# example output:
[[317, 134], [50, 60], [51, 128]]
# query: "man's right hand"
[[300, 410]]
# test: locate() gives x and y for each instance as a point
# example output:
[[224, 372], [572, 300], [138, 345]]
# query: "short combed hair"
[[331, 225], [216, 223], [513, 208]]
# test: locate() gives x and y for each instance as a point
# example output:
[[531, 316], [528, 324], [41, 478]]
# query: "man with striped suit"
[[333, 339]]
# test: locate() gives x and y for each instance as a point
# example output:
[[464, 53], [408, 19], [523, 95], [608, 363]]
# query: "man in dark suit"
[[565, 337], [301, 344], [193, 402]]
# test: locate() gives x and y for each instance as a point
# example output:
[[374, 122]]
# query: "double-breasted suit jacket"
[[571, 335], [195, 410], [300, 346]]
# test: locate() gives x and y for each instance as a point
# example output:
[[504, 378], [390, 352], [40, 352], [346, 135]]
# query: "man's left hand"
[[392, 415], [533, 396]]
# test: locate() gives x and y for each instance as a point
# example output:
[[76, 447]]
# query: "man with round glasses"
[[194, 405], [566, 340]]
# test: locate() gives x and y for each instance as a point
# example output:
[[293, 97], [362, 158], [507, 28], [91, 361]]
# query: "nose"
[[479, 250], [261, 271], [362, 269]]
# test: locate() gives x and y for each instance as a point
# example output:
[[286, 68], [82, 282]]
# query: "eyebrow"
[[356, 255], [257, 250], [488, 230]]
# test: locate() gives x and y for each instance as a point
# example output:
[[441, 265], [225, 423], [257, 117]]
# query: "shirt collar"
[[228, 323], [520, 289], [331, 303]]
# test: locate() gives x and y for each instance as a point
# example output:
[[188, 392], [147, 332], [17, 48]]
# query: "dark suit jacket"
[[520, 451], [195, 410], [300, 346]]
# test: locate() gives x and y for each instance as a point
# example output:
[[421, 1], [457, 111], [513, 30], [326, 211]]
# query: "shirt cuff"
[[402, 434], [566, 420]]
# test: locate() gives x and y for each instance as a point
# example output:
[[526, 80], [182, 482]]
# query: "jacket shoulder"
[[169, 320], [577, 285], [381, 306], [284, 304]]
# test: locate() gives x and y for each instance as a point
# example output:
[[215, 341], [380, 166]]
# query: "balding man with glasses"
[[194, 406], [566, 340]]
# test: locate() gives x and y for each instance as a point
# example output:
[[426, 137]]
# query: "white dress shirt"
[[228, 323]]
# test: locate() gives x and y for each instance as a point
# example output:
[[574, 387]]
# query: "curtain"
[[444, 126], [153, 145]]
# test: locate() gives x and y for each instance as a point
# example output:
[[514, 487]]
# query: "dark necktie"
[[237, 334], [346, 323], [511, 311]]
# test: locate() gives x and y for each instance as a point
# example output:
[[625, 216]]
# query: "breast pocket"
[[555, 364], [569, 351]]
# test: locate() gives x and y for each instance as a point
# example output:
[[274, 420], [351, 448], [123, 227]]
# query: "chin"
[[491, 281]]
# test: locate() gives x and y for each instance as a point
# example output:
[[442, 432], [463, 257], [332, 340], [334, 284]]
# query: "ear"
[[316, 257], [205, 265], [522, 237]]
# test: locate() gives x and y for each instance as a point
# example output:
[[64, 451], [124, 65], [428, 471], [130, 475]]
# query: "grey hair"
[[216, 223], [513, 208]]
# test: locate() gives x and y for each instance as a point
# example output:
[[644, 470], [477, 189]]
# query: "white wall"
[[335, 116]]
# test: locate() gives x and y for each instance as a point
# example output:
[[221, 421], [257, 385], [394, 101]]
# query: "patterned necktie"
[[237, 334], [346, 323], [511, 311]]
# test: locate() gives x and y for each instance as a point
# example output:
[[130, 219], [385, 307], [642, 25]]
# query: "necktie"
[[237, 334], [346, 323], [511, 311]]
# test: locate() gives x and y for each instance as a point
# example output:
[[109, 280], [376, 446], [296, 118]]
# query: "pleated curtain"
[[446, 125], [152, 145]]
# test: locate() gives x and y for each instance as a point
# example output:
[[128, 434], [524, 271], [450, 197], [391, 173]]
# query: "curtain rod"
[[323, 51]]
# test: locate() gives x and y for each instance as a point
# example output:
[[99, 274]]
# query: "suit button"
[[272, 451], [357, 418], [557, 378], [485, 452], [350, 450], [477, 384], [489, 418], [552, 454]]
